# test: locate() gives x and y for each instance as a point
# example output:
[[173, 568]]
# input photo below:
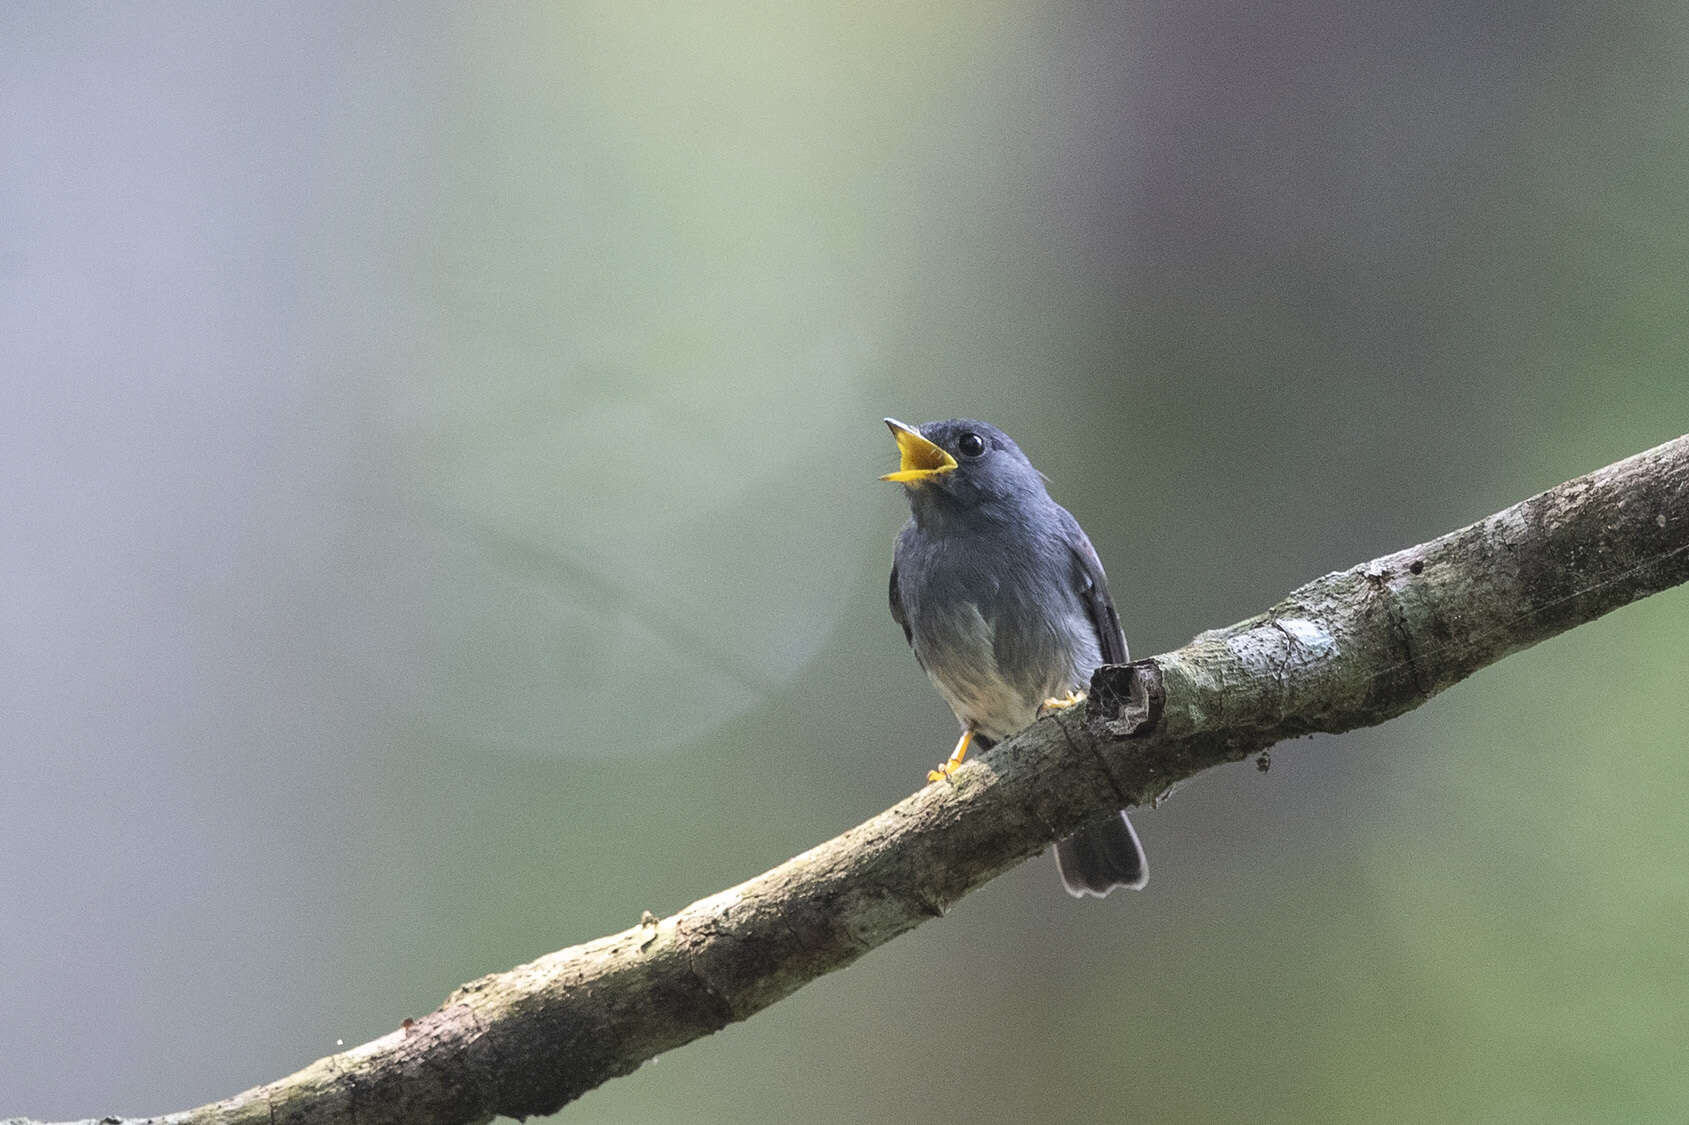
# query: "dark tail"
[[1101, 856]]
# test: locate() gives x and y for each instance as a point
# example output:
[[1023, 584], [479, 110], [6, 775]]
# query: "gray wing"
[[1093, 592], [897, 613], [1105, 853], [901, 616]]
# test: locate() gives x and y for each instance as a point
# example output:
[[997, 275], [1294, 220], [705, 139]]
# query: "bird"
[[1005, 604]]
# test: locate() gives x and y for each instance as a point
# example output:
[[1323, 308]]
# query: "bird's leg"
[[942, 773], [1071, 699]]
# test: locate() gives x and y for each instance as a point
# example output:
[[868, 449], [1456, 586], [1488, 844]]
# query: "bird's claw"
[[1052, 704], [942, 773]]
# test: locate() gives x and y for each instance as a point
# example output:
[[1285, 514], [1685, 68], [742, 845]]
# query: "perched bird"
[[1004, 601]]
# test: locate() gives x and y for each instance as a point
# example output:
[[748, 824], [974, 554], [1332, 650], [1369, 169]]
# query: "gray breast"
[[995, 657]]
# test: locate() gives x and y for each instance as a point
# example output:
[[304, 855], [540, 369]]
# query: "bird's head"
[[961, 464]]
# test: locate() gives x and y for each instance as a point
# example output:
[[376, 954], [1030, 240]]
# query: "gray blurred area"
[[438, 523]]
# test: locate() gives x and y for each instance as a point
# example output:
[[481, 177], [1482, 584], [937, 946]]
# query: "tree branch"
[[1348, 650]]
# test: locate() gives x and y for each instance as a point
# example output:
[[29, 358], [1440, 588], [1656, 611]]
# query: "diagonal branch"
[[1348, 650]]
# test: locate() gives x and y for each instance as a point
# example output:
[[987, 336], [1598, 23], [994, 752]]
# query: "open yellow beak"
[[921, 459]]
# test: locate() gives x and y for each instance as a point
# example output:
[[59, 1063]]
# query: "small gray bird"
[[1004, 601]]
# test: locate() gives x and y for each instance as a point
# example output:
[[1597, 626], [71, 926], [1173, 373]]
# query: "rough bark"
[[1348, 650]]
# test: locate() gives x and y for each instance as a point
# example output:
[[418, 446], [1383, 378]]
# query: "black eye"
[[970, 445]]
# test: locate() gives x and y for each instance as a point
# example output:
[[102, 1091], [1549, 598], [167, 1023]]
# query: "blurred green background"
[[392, 394]]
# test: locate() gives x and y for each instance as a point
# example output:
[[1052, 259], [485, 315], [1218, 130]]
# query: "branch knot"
[[1127, 699]]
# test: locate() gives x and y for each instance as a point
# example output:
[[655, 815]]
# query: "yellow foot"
[[1071, 699], [942, 773]]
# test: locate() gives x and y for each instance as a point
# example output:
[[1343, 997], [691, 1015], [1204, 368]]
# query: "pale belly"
[[995, 674]]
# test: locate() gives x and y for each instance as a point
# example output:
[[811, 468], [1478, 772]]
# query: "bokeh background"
[[439, 523]]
